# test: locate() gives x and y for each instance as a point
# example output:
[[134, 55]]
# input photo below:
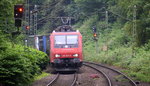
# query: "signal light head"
[[27, 27], [94, 34], [20, 9], [94, 29]]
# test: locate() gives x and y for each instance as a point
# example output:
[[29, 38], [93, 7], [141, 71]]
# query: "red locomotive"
[[66, 49]]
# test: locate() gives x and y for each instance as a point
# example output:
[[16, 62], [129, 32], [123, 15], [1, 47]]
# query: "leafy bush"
[[15, 69], [18, 67], [140, 64], [120, 51]]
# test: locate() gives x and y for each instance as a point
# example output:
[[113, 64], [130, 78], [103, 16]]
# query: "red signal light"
[[27, 27], [94, 34], [20, 9]]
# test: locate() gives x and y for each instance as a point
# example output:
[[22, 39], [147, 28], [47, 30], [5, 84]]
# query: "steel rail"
[[105, 75], [131, 81], [54, 80], [75, 79]]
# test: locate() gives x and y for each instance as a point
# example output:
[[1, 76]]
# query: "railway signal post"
[[18, 14], [95, 38]]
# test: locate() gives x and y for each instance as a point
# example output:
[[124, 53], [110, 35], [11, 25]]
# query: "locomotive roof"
[[64, 28], [76, 32], [66, 33]]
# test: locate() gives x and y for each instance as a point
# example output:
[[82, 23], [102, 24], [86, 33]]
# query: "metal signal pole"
[[106, 19], [134, 32], [26, 21], [96, 46], [35, 20], [27, 15], [31, 23], [95, 38], [134, 24]]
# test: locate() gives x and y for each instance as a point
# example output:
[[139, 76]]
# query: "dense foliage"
[[122, 11], [119, 51], [18, 64]]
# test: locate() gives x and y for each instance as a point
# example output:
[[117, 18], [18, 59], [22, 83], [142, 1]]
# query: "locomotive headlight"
[[75, 55], [57, 55]]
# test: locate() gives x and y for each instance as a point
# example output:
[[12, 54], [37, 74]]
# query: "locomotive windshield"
[[66, 41]]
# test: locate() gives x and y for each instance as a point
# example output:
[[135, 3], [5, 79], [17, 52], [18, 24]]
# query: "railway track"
[[101, 72], [53, 80], [58, 80], [116, 78]]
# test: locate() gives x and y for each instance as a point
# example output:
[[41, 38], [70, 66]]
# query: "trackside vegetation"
[[119, 51], [17, 66]]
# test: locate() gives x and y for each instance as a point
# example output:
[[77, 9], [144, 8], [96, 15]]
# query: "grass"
[[42, 75]]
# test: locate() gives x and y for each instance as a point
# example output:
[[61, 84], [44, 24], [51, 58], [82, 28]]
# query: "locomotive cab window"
[[66, 41], [59, 40]]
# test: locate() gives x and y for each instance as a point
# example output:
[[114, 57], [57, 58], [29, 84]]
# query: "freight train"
[[66, 49]]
